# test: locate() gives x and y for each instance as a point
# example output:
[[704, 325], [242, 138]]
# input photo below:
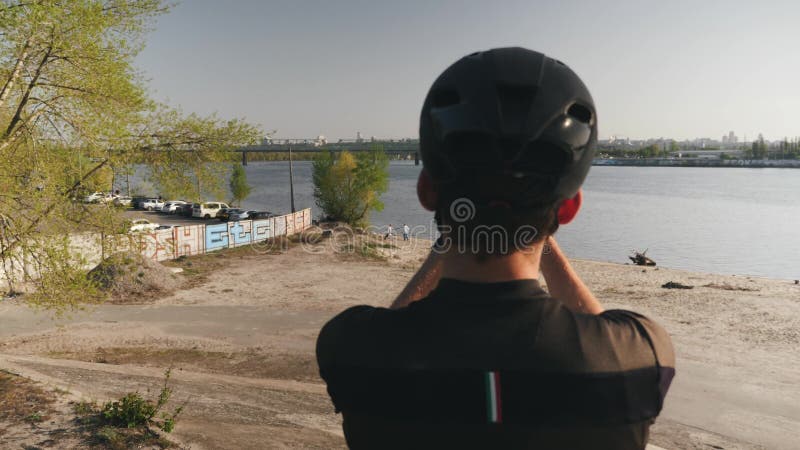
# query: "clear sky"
[[678, 69]]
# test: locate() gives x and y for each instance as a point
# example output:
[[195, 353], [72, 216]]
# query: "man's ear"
[[569, 208], [426, 191]]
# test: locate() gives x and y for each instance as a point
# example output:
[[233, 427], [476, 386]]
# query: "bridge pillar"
[[244, 158], [416, 158]]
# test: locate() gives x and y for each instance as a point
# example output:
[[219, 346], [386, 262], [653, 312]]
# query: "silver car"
[[242, 215], [172, 206], [152, 204]]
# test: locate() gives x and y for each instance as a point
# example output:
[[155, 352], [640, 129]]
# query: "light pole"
[[291, 179]]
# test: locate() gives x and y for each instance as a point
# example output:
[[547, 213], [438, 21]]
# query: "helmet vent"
[[543, 157], [445, 97], [580, 113], [515, 104]]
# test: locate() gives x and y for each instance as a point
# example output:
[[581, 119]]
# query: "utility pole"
[[113, 171], [291, 179]]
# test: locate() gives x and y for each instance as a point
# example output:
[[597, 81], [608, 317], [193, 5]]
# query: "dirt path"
[[222, 411], [242, 345]]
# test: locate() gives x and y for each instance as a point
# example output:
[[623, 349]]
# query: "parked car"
[[152, 204], [185, 210], [139, 225], [224, 214], [256, 215], [123, 200], [94, 197], [241, 215], [207, 210], [136, 201], [171, 207], [164, 227], [108, 198]]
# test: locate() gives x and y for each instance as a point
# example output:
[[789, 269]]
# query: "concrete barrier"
[[241, 233], [190, 240], [159, 245], [216, 237]]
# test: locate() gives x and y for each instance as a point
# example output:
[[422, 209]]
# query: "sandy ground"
[[242, 345]]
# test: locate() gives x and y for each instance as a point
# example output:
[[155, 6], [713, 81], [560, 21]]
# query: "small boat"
[[641, 259]]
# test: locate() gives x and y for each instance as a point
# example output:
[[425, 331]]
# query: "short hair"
[[494, 215]]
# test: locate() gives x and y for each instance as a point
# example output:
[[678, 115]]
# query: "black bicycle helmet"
[[509, 112]]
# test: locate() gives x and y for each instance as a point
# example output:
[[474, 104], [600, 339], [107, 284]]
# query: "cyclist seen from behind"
[[474, 352]]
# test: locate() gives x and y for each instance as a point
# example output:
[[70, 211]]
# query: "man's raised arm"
[[422, 283], [563, 282]]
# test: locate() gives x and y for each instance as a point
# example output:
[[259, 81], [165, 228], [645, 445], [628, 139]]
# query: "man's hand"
[[563, 283]]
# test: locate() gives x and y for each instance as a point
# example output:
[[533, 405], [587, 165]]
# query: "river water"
[[719, 220]]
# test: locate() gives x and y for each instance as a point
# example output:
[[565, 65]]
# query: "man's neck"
[[466, 266]]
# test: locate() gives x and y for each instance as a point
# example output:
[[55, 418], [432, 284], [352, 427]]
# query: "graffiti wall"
[[157, 245], [241, 233], [216, 237], [190, 240], [263, 229], [198, 239]]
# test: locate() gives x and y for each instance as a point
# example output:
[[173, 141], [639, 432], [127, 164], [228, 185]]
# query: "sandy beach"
[[241, 340]]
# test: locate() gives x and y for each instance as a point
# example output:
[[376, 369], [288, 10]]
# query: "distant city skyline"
[[680, 70]]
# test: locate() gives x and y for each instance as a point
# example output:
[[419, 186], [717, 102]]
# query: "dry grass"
[[129, 278], [196, 269], [248, 363], [22, 401], [26, 407], [364, 247], [96, 434]]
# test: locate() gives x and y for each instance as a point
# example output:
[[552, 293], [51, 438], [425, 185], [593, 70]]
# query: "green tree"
[[74, 111], [651, 151], [347, 188], [238, 184], [759, 149], [188, 156]]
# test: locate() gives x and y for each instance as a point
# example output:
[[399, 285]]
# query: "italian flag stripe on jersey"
[[494, 409]]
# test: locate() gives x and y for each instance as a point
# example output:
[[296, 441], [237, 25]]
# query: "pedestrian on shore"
[[474, 353], [389, 232], [406, 230]]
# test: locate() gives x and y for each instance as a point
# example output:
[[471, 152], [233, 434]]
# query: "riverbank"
[[700, 162], [241, 337]]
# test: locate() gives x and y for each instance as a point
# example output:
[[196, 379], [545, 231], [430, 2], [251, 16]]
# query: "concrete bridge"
[[403, 147]]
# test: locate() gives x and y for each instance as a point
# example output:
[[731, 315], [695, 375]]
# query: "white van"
[[207, 210]]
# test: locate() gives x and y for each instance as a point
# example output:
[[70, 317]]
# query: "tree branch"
[[11, 139], [14, 73], [35, 223], [23, 102], [69, 88]]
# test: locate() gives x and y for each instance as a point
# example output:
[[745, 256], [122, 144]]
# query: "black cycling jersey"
[[494, 365]]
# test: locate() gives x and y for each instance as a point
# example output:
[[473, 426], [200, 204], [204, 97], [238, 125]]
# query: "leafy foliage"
[[130, 411], [133, 410], [348, 187], [74, 113], [188, 156]]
